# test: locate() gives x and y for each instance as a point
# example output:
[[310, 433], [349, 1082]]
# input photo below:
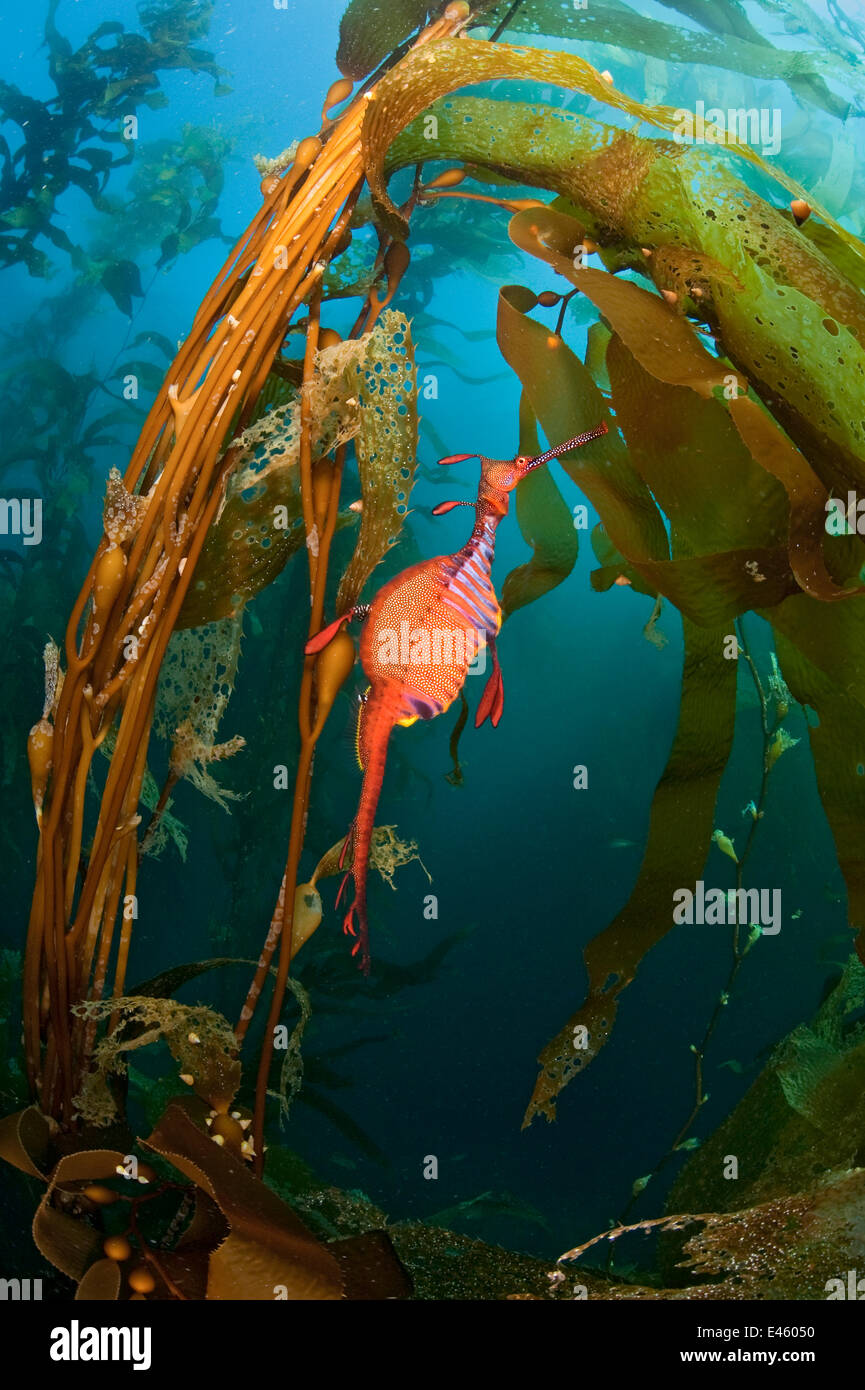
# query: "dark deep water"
[[525, 868]]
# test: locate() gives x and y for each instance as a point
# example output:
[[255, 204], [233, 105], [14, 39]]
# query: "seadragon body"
[[420, 635]]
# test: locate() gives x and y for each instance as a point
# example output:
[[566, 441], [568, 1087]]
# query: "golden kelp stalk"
[[155, 524]]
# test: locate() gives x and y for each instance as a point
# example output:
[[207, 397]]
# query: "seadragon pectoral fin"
[[443, 507], [327, 634], [492, 701]]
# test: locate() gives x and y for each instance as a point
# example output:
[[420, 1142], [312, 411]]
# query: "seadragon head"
[[500, 476]]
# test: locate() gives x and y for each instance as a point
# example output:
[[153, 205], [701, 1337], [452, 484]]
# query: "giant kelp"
[[731, 577], [701, 254], [65, 141], [746, 52], [710, 487], [800, 1120], [779, 1249], [139, 578], [782, 310]]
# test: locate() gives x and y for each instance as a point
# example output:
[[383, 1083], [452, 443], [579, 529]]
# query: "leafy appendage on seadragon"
[[420, 635]]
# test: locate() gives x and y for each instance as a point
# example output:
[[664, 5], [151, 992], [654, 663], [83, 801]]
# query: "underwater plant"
[[63, 139], [718, 403]]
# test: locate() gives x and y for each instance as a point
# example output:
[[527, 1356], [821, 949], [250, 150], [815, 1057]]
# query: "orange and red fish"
[[421, 633]]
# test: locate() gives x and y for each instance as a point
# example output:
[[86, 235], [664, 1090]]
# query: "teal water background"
[[524, 866]]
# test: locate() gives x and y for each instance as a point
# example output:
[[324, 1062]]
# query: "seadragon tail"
[[376, 726]]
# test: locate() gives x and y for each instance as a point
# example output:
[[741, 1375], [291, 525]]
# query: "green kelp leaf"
[[98, 159], [622, 26], [803, 347], [24, 216], [688, 452], [796, 329], [70, 1242], [838, 749], [269, 1245], [723, 17], [613, 566], [371, 29], [729, 521], [803, 1115], [101, 1283], [680, 830], [597, 340], [830, 636], [566, 402], [711, 589], [410, 87], [851, 265], [244, 550], [546, 525], [149, 377], [162, 986], [59, 238], [797, 16], [170, 248], [807, 498], [24, 1141], [662, 340], [122, 280], [157, 340], [386, 448], [708, 588], [667, 348], [86, 180]]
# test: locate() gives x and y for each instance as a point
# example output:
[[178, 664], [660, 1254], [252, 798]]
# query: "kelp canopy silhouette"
[[66, 140], [711, 498]]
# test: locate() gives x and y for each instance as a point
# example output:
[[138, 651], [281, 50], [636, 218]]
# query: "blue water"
[[522, 863]]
